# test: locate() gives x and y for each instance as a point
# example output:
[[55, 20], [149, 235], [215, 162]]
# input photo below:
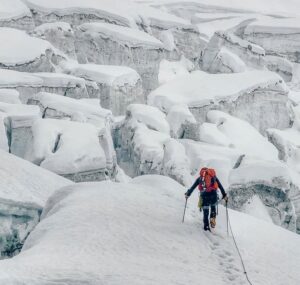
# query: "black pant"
[[209, 200]]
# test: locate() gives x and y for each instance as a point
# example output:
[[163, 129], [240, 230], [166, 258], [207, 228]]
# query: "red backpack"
[[208, 180]]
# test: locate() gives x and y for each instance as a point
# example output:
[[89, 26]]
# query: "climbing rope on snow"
[[236, 246]]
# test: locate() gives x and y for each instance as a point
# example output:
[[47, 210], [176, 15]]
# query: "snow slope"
[[107, 233]]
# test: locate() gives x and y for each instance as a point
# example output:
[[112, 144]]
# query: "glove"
[[225, 197], [186, 195]]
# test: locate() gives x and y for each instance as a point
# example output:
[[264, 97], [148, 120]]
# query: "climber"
[[208, 184]]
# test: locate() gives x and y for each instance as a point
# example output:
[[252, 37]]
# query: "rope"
[[237, 248]]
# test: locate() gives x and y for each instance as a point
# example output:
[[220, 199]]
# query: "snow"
[[63, 26], [111, 75], [11, 78], [86, 226], [23, 183], [209, 28], [126, 36], [78, 148], [297, 113], [176, 163], [295, 96], [271, 173], [18, 48], [159, 18], [18, 109], [9, 96], [60, 80], [170, 70], [223, 129], [222, 159], [279, 7], [149, 144], [256, 208], [200, 88], [7, 109], [288, 143], [274, 26], [70, 107], [208, 17], [150, 116], [13, 9], [177, 116], [231, 60], [111, 10]]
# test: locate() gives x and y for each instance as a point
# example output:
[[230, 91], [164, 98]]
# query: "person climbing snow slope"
[[208, 185]]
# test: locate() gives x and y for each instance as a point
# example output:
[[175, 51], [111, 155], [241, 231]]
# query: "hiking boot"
[[213, 222], [206, 228]]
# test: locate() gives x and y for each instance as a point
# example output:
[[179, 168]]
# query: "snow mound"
[[229, 131], [111, 75], [150, 116], [288, 144], [18, 48], [12, 10], [178, 117], [12, 79], [221, 158], [140, 223], [55, 149], [42, 29], [170, 70]]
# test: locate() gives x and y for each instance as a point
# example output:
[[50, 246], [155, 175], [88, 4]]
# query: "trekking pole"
[[227, 218], [184, 209]]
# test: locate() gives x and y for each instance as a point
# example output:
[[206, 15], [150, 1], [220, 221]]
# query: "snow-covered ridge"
[[11, 79], [109, 10], [13, 9], [52, 103], [199, 88], [274, 26], [106, 74], [127, 36], [18, 48]]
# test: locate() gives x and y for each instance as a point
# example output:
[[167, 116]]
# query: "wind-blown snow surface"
[[107, 233]]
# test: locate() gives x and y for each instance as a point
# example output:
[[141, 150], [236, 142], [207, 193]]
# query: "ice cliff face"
[[97, 42]]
